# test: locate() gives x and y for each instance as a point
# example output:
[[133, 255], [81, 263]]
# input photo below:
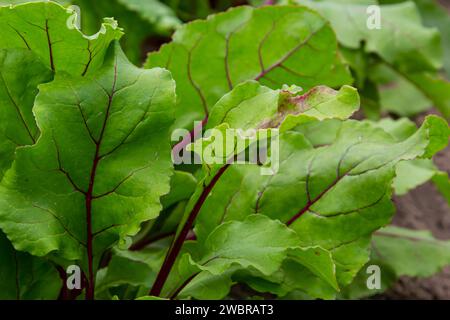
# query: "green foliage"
[[408, 69], [401, 252], [17, 93], [240, 46], [139, 19], [53, 37], [434, 15], [25, 277], [102, 140], [86, 175]]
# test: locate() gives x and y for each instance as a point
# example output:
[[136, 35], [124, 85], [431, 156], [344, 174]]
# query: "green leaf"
[[311, 270], [400, 129], [402, 249], [333, 196], [257, 242], [275, 45], [156, 13], [17, 93], [412, 85], [129, 268], [416, 47], [434, 15], [206, 286], [409, 93], [99, 167], [150, 298], [248, 243], [442, 182], [435, 88], [250, 105], [182, 186], [291, 277], [10, 2], [49, 31], [358, 289], [320, 133], [317, 260], [411, 174], [23, 276], [397, 94], [140, 20], [205, 270]]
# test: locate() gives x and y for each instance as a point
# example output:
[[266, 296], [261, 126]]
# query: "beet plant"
[[112, 183]]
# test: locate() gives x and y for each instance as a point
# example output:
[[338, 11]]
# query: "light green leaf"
[[317, 260], [291, 277], [358, 289], [409, 93], [434, 15], [400, 129], [413, 85], [320, 133], [150, 298], [275, 45], [99, 167], [435, 88], [397, 94], [333, 196], [131, 268], [10, 2], [49, 31], [257, 242], [411, 174], [252, 106], [20, 74], [411, 253], [206, 286], [248, 243], [140, 20], [416, 47], [156, 13], [442, 182], [182, 186], [311, 270]]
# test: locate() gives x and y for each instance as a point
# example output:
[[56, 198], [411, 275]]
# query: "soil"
[[445, 3]]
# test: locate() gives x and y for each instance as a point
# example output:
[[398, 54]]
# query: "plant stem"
[[177, 244]]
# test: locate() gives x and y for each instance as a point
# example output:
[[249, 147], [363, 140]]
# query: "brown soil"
[[445, 3]]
